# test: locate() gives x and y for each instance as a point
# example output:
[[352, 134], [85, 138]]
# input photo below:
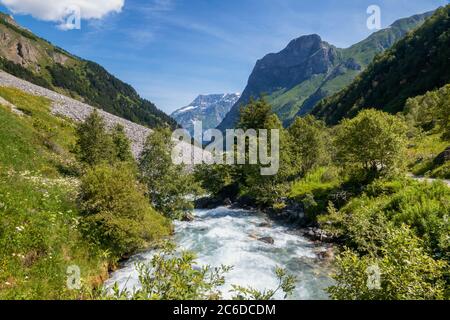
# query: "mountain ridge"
[[210, 109], [35, 59], [337, 69], [414, 65]]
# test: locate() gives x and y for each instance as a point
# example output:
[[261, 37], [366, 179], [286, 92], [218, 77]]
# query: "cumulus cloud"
[[60, 10]]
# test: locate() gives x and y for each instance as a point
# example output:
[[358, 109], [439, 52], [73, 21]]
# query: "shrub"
[[406, 271], [116, 214], [309, 142]]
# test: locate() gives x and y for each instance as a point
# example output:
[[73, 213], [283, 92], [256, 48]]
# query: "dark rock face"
[[267, 240], [318, 67], [300, 60], [443, 157]]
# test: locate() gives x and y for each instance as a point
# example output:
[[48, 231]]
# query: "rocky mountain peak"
[[210, 109]]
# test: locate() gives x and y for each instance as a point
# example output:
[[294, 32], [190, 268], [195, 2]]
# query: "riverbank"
[[240, 238]]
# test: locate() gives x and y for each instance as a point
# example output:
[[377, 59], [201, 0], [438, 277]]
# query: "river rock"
[[442, 157], [188, 217], [327, 255], [265, 224], [268, 240], [227, 202]]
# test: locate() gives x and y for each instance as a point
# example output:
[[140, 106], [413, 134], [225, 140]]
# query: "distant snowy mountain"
[[210, 109]]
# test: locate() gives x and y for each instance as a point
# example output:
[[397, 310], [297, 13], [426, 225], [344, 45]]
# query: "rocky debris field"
[[78, 111]]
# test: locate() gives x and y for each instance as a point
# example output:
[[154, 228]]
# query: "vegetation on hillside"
[[416, 64], [351, 180], [83, 80], [69, 196]]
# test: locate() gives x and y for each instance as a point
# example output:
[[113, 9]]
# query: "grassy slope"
[[38, 234], [422, 153]]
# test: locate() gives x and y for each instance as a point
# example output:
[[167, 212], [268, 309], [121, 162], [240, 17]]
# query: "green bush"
[[116, 214], [424, 207], [406, 271], [372, 144], [94, 144]]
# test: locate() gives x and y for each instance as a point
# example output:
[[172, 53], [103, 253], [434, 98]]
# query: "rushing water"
[[229, 237]]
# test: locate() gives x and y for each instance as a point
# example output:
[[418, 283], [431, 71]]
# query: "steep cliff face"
[[309, 69], [304, 58], [209, 109]]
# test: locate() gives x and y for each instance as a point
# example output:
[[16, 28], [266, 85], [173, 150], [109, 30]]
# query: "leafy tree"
[[373, 143], [169, 185], [309, 143], [406, 271], [217, 179], [122, 145], [430, 110], [266, 189], [94, 145], [115, 212]]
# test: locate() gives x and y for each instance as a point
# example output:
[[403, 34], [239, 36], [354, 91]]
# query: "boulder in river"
[[265, 224], [188, 217], [268, 240]]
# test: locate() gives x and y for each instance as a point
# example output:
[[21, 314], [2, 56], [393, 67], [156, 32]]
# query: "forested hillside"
[[34, 59], [309, 69], [415, 65]]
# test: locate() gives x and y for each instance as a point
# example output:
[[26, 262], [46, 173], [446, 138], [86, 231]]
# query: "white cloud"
[[60, 10]]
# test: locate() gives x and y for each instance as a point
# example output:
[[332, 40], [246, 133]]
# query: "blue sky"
[[173, 50]]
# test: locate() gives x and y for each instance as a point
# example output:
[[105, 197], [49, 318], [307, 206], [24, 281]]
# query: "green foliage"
[[309, 143], [168, 184], [39, 233], [116, 214], [286, 284], [407, 272], [39, 238], [363, 222], [99, 88], [430, 110], [122, 145], [414, 65], [38, 141], [265, 189], [23, 73], [215, 179], [94, 145], [423, 149], [373, 143]]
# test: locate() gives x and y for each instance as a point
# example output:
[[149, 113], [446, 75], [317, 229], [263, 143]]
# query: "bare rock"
[[268, 240]]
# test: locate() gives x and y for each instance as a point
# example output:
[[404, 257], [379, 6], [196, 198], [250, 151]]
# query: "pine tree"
[[94, 145], [122, 145]]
